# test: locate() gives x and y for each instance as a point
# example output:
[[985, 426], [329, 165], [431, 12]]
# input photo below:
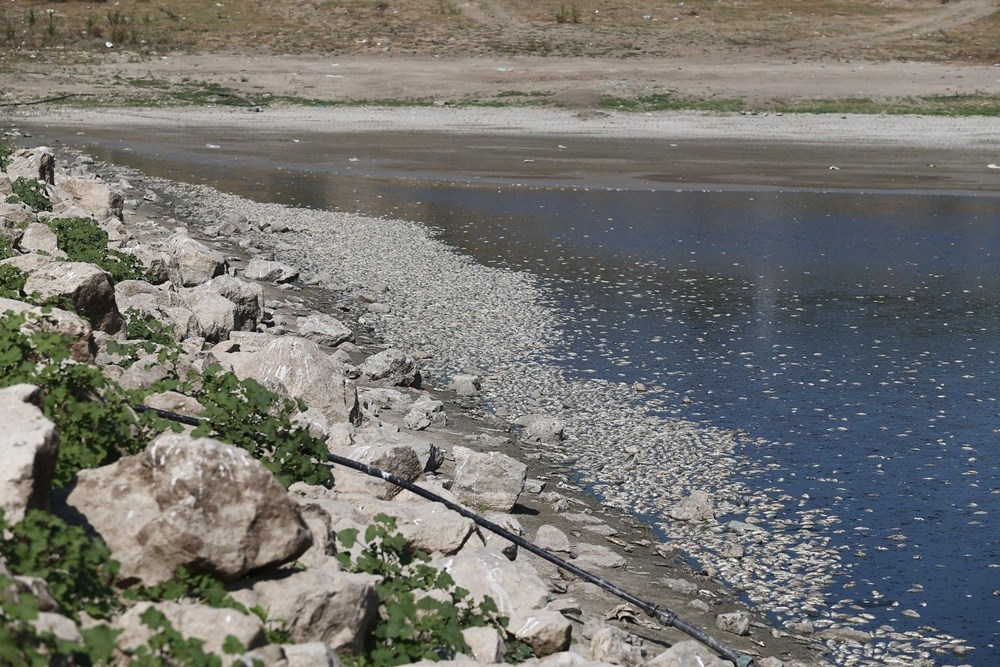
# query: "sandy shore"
[[683, 148]]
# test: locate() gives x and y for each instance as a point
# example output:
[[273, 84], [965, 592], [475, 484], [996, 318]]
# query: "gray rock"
[[427, 526], [516, 590], [487, 480], [216, 315], [485, 644], [393, 367], [465, 385], [196, 621], [431, 456], [610, 645], [196, 261], [325, 330], [682, 586], [175, 402], [499, 544], [199, 503], [687, 653], [161, 265], [298, 368], [424, 413], [246, 296], [385, 398], [310, 654], [39, 237], [695, 507], [318, 604], [37, 164], [735, 622], [598, 556], [552, 539], [61, 626], [269, 271], [540, 428], [398, 460], [86, 286], [95, 197], [28, 449], [546, 631]]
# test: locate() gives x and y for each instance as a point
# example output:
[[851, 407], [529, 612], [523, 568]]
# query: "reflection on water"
[[855, 333]]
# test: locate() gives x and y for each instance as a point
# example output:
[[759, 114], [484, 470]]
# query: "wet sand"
[[685, 149]]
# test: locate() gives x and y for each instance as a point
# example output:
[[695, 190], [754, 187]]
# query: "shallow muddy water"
[[852, 336]]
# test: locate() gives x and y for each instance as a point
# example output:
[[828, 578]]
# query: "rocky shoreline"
[[389, 282]]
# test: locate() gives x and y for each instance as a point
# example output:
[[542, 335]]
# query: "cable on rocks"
[[661, 614]]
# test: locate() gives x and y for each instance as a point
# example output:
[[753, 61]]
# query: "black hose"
[[661, 614]]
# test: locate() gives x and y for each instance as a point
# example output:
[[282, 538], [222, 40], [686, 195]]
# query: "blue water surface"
[[856, 333]]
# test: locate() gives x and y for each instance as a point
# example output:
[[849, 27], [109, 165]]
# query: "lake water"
[[856, 335]]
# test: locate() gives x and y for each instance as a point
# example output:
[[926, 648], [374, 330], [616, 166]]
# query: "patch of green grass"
[[981, 104]]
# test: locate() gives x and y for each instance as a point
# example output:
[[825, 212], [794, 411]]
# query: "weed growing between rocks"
[[77, 567], [416, 622], [246, 414], [83, 240], [32, 193], [6, 153], [22, 643], [90, 411]]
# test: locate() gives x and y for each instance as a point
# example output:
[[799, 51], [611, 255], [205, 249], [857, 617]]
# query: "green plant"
[[6, 153], [245, 413], [78, 568], [83, 240], [168, 648], [275, 630], [12, 281], [30, 192], [21, 643], [6, 250], [183, 585], [139, 326], [91, 412], [422, 612]]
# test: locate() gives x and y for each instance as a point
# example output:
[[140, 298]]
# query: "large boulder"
[[248, 298], [40, 237], [37, 164], [197, 503], [296, 367], [86, 286], [398, 460], [28, 449], [197, 262], [517, 590], [90, 194], [391, 366], [216, 315], [318, 604], [325, 330], [491, 480]]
